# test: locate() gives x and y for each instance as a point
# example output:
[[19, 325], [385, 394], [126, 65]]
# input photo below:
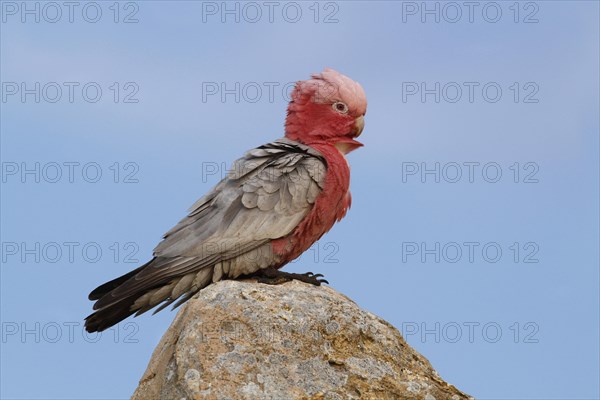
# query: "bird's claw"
[[276, 277], [312, 275], [313, 279]]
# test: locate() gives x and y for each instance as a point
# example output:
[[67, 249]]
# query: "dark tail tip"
[[109, 316]]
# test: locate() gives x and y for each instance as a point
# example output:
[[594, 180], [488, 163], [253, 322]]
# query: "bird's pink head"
[[330, 108]]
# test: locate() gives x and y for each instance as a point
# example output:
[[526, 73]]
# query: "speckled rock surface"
[[245, 340]]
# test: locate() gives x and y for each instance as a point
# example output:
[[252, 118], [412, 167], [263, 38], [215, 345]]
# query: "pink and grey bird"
[[275, 202]]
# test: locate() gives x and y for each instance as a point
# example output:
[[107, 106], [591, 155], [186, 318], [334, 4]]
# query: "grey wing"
[[227, 233], [264, 196]]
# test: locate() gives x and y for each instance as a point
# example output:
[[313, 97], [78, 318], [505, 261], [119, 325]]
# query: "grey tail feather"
[[164, 305], [117, 310], [109, 286], [109, 316], [184, 298]]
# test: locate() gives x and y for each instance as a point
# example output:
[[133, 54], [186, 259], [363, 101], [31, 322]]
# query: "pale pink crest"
[[330, 86]]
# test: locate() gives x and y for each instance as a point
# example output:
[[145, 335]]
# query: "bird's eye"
[[340, 107]]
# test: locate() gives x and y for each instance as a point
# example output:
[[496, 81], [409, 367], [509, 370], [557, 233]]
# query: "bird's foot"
[[272, 276]]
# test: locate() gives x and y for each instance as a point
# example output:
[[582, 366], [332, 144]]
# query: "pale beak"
[[359, 125], [346, 144]]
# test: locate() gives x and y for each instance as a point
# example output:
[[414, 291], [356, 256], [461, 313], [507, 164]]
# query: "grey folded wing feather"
[[264, 197]]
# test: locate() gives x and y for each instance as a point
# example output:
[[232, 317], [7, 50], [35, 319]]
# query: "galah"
[[274, 203]]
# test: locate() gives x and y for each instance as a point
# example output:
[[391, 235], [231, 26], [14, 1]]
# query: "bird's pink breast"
[[330, 206]]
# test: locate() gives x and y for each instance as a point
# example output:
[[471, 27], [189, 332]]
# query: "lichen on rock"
[[245, 340]]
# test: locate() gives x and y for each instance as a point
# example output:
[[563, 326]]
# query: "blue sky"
[[494, 278]]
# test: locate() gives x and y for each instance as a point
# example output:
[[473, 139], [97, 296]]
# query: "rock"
[[245, 340]]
